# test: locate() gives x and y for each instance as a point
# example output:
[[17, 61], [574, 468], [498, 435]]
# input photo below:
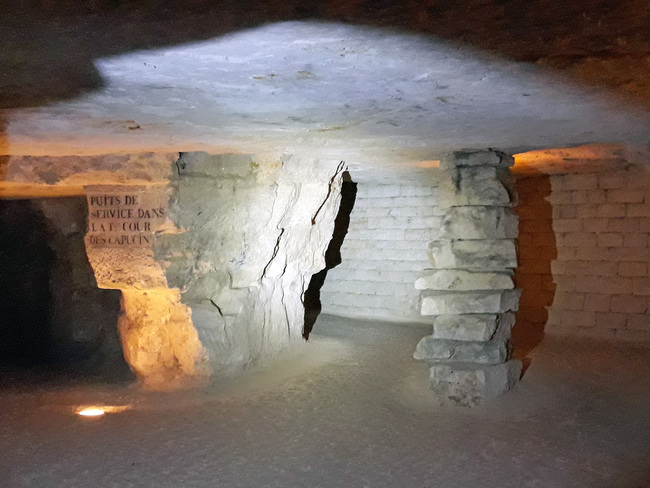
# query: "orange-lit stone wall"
[[159, 341], [584, 255]]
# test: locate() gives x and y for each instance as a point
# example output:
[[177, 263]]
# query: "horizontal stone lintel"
[[464, 280], [448, 303], [473, 327], [486, 254], [431, 349], [471, 384]]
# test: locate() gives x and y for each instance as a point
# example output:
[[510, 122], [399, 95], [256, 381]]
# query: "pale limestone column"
[[470, 292]]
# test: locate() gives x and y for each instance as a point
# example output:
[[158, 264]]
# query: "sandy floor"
[[350, 411]]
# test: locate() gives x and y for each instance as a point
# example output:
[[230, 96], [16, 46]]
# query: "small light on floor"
[[91, 412], [99, 410]]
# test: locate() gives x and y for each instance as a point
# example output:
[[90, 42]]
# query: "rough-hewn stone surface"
[[435, 349], [213, 266], [480, 185], [252, 232], [479, 222], [493, 301], [470, 384], [119, 242], [67, 175], [459, 159], [265, 90], [472, 327], [158, 338], [462, 280], [486, 254], [159, 341]]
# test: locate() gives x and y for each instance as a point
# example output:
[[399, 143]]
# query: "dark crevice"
[[312, 301], [25, 268], [54, 320], [275, 252], [329, 192]]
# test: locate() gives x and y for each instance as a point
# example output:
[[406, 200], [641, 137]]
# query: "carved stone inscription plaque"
[[123, 216]]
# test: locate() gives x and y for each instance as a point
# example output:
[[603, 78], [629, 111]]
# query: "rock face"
[[159, 342], [211, 254], [251, 233], [470, 292]]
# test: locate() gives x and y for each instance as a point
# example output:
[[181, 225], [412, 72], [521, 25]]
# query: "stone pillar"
[[470, 292]]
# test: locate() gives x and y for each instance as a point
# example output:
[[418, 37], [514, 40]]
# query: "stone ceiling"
[[129, 81]]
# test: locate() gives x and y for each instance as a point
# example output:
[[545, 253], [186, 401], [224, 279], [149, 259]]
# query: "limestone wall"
[[211, 254], [251, 233], [385, 250], [584, 255]]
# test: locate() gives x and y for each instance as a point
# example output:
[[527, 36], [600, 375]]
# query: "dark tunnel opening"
[[333, 258], [54, 320], [25, 269]]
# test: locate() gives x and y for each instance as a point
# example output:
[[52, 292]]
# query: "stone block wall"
[[584, 254], [384, 252]]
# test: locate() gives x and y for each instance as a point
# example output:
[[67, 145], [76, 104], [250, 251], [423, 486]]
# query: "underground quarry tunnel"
[[190, 189]]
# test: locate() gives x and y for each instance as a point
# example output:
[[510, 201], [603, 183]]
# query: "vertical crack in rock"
[[501, 155], [180, 165], [293, 198], [458, 180], [284, 307], [224, 328], [216, 306], [275, 253], [340, 168]]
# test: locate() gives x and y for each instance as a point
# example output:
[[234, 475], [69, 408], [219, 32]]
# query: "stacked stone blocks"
[[470, 292]]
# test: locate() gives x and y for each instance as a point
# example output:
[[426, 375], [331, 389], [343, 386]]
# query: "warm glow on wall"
[[587, 158], [427, 164]]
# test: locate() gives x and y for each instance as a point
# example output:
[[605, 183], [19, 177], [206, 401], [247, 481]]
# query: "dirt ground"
[[351, 408]]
